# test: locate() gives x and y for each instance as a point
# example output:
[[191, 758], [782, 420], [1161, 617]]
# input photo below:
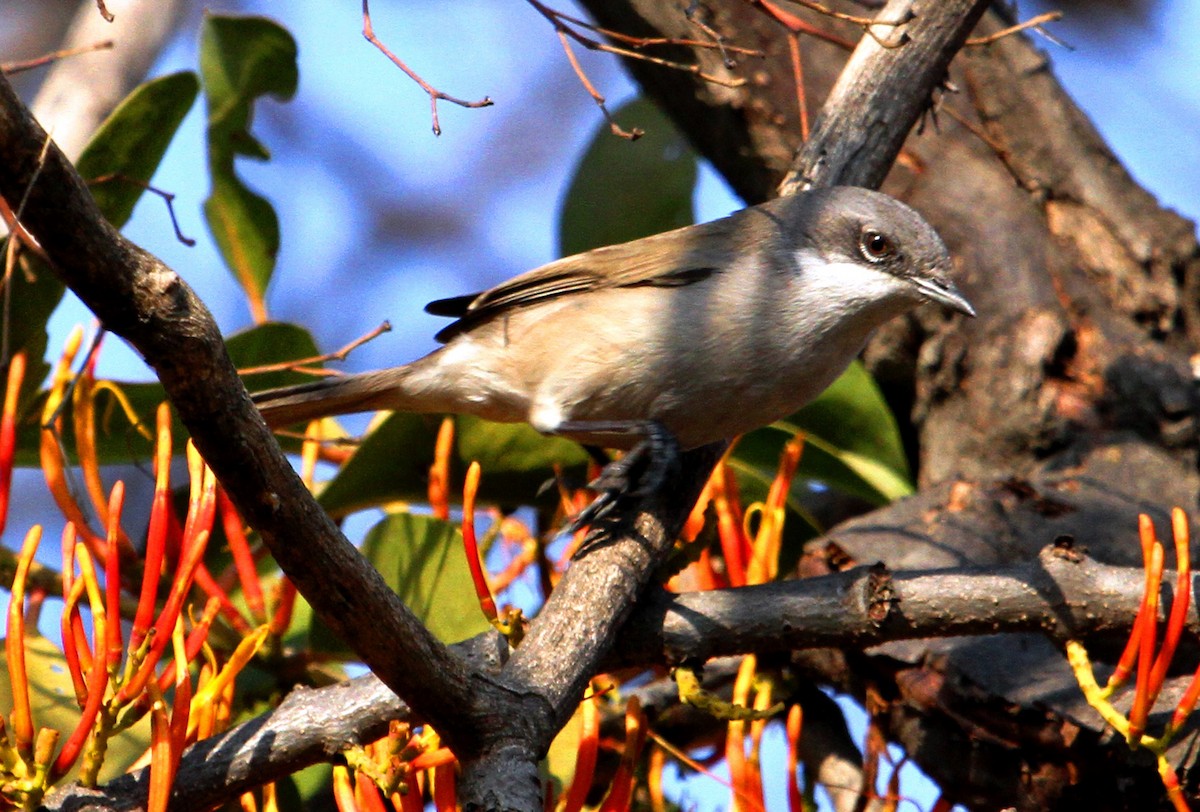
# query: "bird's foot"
[[639, 473]]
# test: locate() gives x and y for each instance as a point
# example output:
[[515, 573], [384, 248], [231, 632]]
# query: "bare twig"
[[798, 78], [975, 130], [434, 94], [1032, 22], [718, 42], [24, 238], [336, 355], [616, 128], [104, 12], [11, 254], [168, 198], [692, 12], [46, 59], [798, 26], [566, 33]]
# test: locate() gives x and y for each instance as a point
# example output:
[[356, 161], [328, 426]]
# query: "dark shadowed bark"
[[1067, 407]]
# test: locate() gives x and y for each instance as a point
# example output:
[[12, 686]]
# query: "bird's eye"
[[876, 247]]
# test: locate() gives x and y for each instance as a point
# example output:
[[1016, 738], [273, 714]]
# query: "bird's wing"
[[671, 259]]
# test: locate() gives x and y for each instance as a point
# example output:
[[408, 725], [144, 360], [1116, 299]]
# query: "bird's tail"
[[332, 396]]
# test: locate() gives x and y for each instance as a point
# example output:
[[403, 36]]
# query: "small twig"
[[616, 128], [104, 12], [976, 130], [24, 238], [19, 234], [647, 42], [862, 22], [799, 26], [560, 20], [10, 264], [337, 355], [167, 197], [692, 13], [45, 59], [719, 43], [1032, 22], [434, 93]]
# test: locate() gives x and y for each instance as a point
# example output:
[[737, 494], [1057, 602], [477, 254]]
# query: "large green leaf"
[[423, 560], [132, 141], [116, 438], [52, 700], [623, 190], [392, 464], [241, 59], [852, 442]]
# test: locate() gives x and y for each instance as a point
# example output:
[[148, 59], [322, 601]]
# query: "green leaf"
[[515, 453], [241, 59], [132, 141], [422, 559], [392, 464], [116, 438], [312, 786], [852, 442], [623, 190], [52, 700]]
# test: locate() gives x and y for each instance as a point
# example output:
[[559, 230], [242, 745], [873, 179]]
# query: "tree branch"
[[1061, 594], [140, 299], [570, 637], [879, 97]]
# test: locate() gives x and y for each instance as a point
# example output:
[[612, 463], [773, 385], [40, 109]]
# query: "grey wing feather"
[[674, 258]]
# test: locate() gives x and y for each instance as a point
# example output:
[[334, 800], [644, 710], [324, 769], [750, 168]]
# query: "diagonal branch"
[[140, 299], [879, 97]]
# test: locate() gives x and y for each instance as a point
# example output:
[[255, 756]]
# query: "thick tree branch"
[[147, 304], [1061, 594], [570, 637], [879, 97]]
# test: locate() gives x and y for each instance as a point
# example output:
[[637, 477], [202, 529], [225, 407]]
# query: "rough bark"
[[1061, 594], [1068, 406]]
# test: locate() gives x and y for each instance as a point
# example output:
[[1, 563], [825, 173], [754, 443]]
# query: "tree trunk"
[[1066, 408]]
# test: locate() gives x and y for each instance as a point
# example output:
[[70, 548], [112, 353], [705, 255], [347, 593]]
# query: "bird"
[[683, 338]]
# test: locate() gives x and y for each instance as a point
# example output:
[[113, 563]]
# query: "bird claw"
[[640, 473]]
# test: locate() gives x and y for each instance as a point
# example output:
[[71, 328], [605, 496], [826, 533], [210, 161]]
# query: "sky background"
[[379, 217]]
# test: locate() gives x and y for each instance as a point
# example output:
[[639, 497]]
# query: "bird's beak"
[[946, 295]]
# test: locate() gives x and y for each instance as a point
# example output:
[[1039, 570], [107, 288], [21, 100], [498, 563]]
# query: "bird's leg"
[[598, 455], [640, 472]]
